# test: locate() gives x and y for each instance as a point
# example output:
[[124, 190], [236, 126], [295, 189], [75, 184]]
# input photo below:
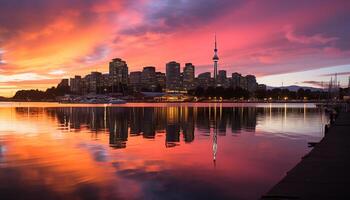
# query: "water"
[[151, 151]]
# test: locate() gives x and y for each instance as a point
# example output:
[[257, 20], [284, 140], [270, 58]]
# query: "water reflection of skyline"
[[175, 122], [99, 150]]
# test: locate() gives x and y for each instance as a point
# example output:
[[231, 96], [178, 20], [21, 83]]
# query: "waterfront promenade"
[[324, 173]]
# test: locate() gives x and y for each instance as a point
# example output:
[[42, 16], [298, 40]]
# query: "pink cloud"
[[303, 39], [254, 37]]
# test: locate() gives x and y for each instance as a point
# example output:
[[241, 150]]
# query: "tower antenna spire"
[[215, 59], [215, 42]]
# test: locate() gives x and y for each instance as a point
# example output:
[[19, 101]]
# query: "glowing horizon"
[[45, 41]]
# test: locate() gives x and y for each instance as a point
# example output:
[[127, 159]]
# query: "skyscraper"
[[148, 78], [204, 80], [173, 82], [75, 85], [243, 82], [215, 59], [160, 80], [95, 82], [188, 76], [236, 80], [135, 81], [118, 70], [222, 78], [251, 83]]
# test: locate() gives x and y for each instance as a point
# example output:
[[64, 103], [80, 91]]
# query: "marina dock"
[[324, 173]]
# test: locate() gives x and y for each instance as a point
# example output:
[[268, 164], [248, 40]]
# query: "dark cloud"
[[1, 57], [336, 24], [98, 53], [320, 84], [163, 16]]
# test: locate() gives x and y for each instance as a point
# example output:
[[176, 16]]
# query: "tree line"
[[210, 92]]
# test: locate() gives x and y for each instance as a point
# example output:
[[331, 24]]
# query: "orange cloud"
[[254, 37]]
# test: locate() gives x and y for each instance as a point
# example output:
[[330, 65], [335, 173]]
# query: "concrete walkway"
[[324, 173]]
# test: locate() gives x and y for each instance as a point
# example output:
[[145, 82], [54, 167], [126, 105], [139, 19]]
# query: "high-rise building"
[[236, 80], [204, 80], [148, 78], [222, 78], [75, 85], [188, 76], [95, 82], [173, 80], [215, 59], [160, 79], [118, 70], [243, 82], [106, 83], [135, 81], [251, 83]]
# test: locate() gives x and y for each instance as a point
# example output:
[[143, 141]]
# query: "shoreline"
[[204, 101], [163, 104], [323, 172]]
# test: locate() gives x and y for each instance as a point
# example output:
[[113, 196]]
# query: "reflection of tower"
[[215, 136], [215, 59]]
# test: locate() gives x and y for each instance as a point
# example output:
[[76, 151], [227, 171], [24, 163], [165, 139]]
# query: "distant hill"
[[295, 88], [3, 98]]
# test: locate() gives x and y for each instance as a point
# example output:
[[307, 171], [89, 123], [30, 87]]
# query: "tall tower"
[[215, 59]]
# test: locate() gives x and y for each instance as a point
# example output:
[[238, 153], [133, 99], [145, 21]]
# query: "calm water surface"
[[151, 151]]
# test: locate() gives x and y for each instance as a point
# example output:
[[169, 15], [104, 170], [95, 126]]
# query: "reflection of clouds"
[[97, 151], [2, 153], [176, 184], [14, 185]]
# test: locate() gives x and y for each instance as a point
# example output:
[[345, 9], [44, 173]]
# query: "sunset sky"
[[294, 42]]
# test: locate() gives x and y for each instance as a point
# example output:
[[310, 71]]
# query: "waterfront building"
[[148, 78], [236, 80], [135, 81], [85, 84], [118, 70], [215, 59], [161, 79], [75, 84], [188, 76], [222, 78], [251, 83], [95, 82], [204, 80], [106, 83], [243, 82], [173, 81]]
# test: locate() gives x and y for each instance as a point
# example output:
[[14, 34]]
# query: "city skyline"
[[281, 43], [175, 80]]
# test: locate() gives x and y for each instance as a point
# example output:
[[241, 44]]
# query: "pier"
[[324, 173]]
